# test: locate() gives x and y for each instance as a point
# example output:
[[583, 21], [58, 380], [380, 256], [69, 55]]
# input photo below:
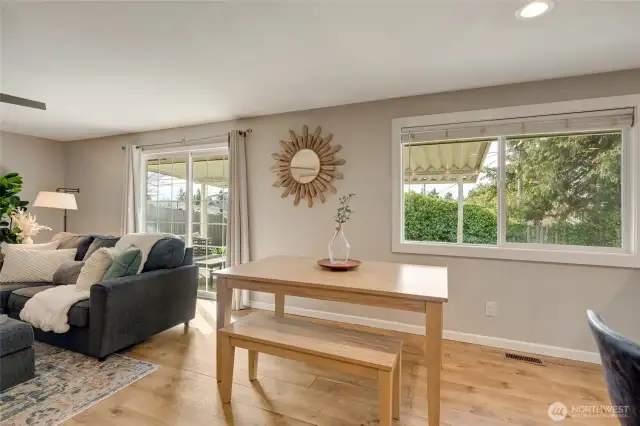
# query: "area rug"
[[66, 383]]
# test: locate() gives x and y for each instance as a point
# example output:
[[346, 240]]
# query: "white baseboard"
[[496, 342]]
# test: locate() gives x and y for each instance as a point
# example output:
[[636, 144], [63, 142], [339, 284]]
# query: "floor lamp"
[[63, 198]]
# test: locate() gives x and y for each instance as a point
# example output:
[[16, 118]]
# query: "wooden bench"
[[350, 351]]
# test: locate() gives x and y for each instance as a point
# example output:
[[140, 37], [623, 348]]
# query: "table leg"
[[433, 354], [253, 365], [223, 318], [279, 304]]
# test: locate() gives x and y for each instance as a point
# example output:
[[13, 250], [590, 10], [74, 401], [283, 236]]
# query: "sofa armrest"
[[127, 310]]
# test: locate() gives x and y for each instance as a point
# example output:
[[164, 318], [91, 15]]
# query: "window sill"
[[591, 258]]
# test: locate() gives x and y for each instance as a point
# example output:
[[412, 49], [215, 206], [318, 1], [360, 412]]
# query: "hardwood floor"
[[480, 388]]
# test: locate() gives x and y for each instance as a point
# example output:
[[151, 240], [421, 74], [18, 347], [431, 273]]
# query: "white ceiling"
[[117, 67]]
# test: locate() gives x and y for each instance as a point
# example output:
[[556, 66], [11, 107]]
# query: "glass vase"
[[339, 248]]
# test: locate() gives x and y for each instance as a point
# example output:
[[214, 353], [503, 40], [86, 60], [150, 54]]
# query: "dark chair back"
[[188, 256], [621, 362]]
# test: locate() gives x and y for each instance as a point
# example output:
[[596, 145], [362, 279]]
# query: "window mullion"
[[502, 183]]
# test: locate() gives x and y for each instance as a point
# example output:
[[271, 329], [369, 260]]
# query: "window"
[[450, 191], [187, 194], [564, 189], [549, 187]]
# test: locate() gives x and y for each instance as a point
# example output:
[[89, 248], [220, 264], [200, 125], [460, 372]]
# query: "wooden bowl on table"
[[351, 264]]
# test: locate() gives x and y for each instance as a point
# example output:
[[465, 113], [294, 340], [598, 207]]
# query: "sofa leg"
[[186, 326], [102, 359]]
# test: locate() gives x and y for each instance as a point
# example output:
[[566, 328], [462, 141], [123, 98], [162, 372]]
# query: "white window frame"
[[628, 256]]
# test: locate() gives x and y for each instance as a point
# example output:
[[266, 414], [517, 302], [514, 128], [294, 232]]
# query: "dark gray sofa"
[[120, 312]]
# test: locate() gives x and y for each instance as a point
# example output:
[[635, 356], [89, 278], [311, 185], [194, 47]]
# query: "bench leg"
[[253, 365], [279, 305], [385, 396], [397, 387], [227, 353]]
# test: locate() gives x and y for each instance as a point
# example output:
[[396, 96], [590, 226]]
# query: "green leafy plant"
[[10, 186], [344, 210]]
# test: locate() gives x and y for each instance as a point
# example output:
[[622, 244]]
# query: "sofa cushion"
[[69, 240], [167, 253], [7, 288], [100, 242], [15, 336], [67, 273], [78, 315]]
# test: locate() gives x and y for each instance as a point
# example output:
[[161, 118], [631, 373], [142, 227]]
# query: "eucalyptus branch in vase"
[[344, 210], [339, 246]]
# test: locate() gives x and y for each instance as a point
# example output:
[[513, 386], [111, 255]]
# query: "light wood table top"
[[421, 282]]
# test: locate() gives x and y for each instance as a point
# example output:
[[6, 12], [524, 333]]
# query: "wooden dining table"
[[415, 288]]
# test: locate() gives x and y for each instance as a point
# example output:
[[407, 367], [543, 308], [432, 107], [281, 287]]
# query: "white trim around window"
[[627, 256]]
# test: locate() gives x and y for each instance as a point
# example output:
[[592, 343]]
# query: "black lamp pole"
[[67, 191]]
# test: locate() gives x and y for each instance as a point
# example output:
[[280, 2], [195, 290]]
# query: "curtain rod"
[[186, 141]]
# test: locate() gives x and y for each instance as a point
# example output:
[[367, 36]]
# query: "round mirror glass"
[[305, 166]]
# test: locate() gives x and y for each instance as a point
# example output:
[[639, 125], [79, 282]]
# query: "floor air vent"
[[529, 359]]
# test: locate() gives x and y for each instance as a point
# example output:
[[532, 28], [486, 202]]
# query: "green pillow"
[[125, 263]]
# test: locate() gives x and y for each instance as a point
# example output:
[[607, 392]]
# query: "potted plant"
[[339, 246], [10, 203]]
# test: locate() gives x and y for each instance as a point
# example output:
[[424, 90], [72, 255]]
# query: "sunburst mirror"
[[306, 165]]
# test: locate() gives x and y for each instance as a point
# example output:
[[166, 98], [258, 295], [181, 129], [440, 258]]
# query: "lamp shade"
[[56, 200]]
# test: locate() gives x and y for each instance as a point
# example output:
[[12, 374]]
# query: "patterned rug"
[[66, 383]]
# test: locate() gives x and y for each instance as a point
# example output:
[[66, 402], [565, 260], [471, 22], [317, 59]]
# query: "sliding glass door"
[[209, 227], [186, 195]]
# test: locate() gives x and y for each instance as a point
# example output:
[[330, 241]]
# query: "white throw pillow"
[[25, 265], [95, 267], [53, 245]]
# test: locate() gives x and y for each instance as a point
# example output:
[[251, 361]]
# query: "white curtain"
[[131, 196], [238, 214]]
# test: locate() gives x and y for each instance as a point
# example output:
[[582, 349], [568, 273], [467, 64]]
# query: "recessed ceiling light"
[[534, 8]]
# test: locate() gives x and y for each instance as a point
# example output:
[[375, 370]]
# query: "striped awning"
[[431, 162], [212, 170]]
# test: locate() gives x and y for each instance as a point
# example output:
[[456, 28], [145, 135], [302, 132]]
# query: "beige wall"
[[41, 164], [539, 303]]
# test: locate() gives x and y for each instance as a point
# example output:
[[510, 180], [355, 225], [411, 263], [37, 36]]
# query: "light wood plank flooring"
[[480, 388]]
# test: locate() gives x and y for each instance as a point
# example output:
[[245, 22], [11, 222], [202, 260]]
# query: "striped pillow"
[[44, 246], [27, 265]]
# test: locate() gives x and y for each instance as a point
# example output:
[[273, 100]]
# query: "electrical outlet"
[[491, 309]]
